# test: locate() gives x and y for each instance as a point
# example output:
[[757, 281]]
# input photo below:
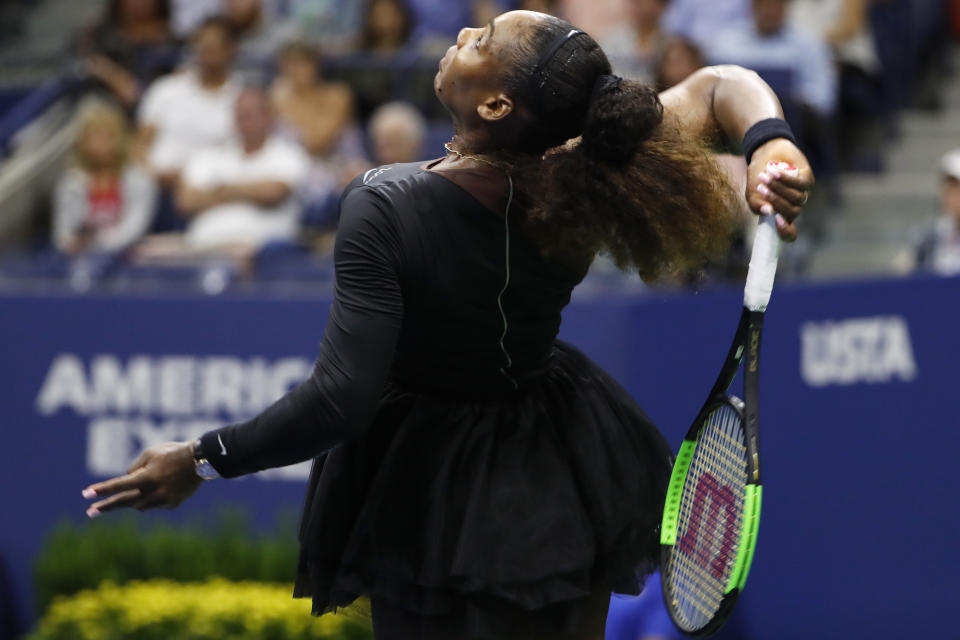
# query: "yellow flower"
[[191, 611]]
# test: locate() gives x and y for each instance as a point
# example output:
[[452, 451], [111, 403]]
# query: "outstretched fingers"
[[120, 492], [117, 501]]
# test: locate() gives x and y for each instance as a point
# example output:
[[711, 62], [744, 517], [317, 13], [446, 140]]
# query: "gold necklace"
[[463, 156]]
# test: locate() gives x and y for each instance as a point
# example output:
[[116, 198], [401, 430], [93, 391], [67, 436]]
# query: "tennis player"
[[474, 476]]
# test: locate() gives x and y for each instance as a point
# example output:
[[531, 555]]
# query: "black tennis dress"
[[468, 465]]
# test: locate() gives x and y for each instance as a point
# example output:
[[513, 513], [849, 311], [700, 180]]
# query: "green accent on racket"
[[671, 509], [751, 542], [748, 537]]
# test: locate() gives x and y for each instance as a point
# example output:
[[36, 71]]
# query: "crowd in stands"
[[222, 127]]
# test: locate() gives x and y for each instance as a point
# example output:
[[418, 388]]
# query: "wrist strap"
[[763, 132]]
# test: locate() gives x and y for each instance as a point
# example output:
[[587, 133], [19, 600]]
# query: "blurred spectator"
[[397, 133], [258, 32], [701, 20], [102, 203], [596, 18], [187, 15], [318, 113], [938, 248], [768, 41], [437, 22], [845, 25], [336, 25], [241, 195], [386, 26], [635, 47], [679, 59], [129, 47], [320, 116], [192, 109]]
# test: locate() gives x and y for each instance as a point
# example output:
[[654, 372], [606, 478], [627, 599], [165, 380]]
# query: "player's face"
[[471, 71]]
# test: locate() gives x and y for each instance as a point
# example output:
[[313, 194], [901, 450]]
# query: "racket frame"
[[745, 347], [759, 285]]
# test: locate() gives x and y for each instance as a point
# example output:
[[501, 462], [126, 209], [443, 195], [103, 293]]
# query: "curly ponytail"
[[632, 185]]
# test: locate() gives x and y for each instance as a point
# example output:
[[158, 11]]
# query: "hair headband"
[[539, 76]]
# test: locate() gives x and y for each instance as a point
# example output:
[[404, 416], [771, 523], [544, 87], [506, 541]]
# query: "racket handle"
[[766, 253], [763, 265]]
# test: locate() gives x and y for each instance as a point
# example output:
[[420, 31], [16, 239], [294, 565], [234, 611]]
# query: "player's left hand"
[[772, 192], [161, 477]]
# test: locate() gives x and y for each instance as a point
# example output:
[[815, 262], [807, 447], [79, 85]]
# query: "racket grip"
[[766, 253], [763, 265]]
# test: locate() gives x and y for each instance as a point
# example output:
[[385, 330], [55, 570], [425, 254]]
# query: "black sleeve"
[[341, 396]]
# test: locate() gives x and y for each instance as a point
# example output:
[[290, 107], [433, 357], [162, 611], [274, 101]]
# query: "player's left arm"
[[728, 100], [337, 402]]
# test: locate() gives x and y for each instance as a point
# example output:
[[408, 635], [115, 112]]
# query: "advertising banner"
[[860, 516]]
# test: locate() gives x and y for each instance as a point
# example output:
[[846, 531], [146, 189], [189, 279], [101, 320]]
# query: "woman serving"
[[474, 476]]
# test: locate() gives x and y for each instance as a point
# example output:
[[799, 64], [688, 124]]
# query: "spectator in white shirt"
[[190, 110], [103, 203], [241, 195]]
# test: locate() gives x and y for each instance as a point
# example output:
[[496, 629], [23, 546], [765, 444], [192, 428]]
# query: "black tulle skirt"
[[508, 513]]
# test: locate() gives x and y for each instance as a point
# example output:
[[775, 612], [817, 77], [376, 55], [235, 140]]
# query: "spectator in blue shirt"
[[699, 20], [769, 41]]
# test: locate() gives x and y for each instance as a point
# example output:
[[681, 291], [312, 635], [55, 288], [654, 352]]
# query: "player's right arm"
[[727, 101]]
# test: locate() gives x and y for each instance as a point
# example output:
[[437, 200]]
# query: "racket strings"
[[710, 521]]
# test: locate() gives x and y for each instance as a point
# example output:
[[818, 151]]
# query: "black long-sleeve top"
[[424, 299]]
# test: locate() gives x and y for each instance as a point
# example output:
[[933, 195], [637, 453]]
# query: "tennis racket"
[[712, 508]]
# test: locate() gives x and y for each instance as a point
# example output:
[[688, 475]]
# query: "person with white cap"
[[938, 250]]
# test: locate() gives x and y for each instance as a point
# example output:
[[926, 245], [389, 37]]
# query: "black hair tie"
[[604, 84]]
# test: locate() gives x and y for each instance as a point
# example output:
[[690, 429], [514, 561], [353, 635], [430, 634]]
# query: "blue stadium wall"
[[858, 434]]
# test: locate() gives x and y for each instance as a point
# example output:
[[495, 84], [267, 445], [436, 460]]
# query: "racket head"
[[710, 518]]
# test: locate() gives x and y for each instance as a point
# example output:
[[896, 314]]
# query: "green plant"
[[81, 556], [212, 610]]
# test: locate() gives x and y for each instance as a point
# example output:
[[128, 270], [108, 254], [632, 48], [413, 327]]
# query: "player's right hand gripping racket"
[[712, 508]]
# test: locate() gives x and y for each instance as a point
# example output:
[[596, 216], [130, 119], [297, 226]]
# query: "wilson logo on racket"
[[715, 498]]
